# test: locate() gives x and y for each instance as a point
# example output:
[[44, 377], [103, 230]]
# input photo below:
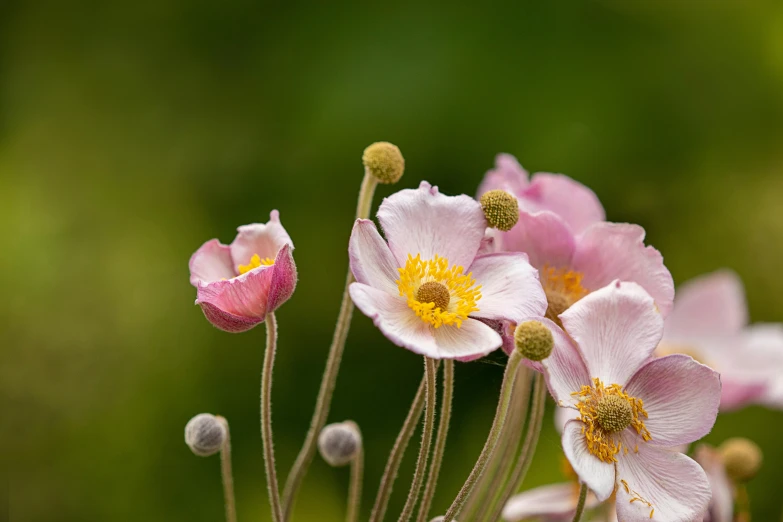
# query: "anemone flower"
[[629, 409], [237, 285], [427, 289], [709, 322]]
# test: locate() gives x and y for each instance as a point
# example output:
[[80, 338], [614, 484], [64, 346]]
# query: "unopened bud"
[[339, 443], [501, 209], [205, 434], [384, 161], [534, 340], [742, 458]]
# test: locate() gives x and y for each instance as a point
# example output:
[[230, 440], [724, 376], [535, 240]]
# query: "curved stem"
[[227, 475], [266, 417], [440, 442], [492, 440], [329, 379], [355, 487], [580, 506], [426, 441]]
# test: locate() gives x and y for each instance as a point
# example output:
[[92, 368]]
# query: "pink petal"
[[616, 328], [672, 483], [211, 262], [722, 505], [227, 321], [471, 339], [372, 262], [490, 242], [265, 240], [554, 501], [609, 251], [428, 223], [738, 394], [681, 397], [245, 296], [710, 305], [598, 475], [507, 175], [284, 278], [510, 288], [393, 317], [544, 237], [575, 203]]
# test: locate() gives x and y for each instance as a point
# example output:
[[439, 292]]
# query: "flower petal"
[[424, 221], [556, 500], [681, 397], [227, 321], [265, 240], [510, 288], [544, 237], [575, 203], [471, 339], [609, 251], [243, 296], [395, 319], [372, 262], [722, 505], [211, 262], [675, 487], [598, 475], [616, 328], [507, 175], [284, 278]]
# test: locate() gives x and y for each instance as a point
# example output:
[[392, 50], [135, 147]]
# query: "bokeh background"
[[133, 131]]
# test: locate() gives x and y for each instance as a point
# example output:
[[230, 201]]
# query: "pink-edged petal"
[[556, 500], [211, 262], [738, 394], [226, 321], [372, 262], [722, 505], [609, 251], [675, 487], [284, 278], [507, 175], [598, 475], [510, 288], [681, 397], [564, 369], [244, 296], [473, 338], [569, 199], [544, 237], [262, 239], [711, 305], [394, 319], [616, 328], [426, 222]]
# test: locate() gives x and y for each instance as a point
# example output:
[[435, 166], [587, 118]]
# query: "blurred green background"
[[133, 131]]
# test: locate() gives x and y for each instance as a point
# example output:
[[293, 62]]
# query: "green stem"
[[227, 475], [266, 417], [492, 439], [440, 442], [329, 379], [580, 506], [355, 487]]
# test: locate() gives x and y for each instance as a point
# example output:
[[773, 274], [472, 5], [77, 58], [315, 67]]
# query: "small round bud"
[[501, 209], [205, 434], [384, 161], [534, 340], [742, 458], [339, 443]]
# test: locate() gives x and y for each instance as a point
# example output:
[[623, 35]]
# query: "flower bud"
[[534, 340], [205, 434], [501, 209], [742, 458], [339, 443], [384, 161]]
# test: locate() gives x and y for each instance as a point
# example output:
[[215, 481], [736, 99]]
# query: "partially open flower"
[[339, 443], [205, 434], [239, 284], [742, 458]]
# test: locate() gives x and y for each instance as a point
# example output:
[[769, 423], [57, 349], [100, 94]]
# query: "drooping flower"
[[237, 285], [709, 322], [629, 409], [427, 289]]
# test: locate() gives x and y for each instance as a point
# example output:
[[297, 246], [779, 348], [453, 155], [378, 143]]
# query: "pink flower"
[[237, 285], [416, 288], [629, 409], [552, 503], [562, 231], [721, 507], [709, 322]]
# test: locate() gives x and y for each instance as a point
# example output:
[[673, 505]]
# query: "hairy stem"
[[227, 475], [580, 506], [266, 417], [355, 487]]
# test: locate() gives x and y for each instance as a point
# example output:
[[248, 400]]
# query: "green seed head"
[[501, 209], [742, 458], [534, 340], [384, 161], [614, 413]]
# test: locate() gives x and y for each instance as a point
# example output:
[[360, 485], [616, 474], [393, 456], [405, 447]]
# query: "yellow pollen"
[[563, 288], [448, 301], [255, 262], [603, 418], [636, 497]]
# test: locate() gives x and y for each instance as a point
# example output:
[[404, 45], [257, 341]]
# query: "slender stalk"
[[580, 506], [397, 452], [266, 417], [492, 440], [743, 504], [440, 442], [227, 475], [426, 440], [355, 487], [329, 379]]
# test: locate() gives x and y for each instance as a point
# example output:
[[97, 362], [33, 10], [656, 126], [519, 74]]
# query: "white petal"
[[598, 475], [372, 262], [556, 500], [473, 338]]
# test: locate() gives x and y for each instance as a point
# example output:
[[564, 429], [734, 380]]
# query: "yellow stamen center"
[[606, 411], [439, 294], [255, 262], [563, 288]]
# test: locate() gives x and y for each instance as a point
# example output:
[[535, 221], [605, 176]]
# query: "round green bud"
[[742, 458], [339, 443], [534, 340], [384, 161], [205, 434], [501, 209]]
